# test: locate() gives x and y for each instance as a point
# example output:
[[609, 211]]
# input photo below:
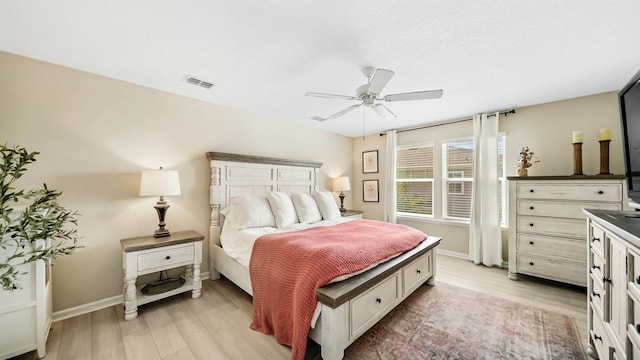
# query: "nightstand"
[[146, 254], [355, 214]]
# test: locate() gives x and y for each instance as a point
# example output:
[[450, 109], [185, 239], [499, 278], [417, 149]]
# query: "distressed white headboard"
[[235, 175]]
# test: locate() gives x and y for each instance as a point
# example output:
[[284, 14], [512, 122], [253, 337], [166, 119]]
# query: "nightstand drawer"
[[165, 257]]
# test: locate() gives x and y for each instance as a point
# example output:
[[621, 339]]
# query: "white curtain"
[[390, 178], [485, 239]]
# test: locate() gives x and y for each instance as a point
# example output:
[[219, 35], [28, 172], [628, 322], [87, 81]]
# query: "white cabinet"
[[614, 284], [25, 314], [546, 223]]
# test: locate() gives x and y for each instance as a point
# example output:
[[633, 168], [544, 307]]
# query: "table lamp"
[[160, 183], [341, 184]]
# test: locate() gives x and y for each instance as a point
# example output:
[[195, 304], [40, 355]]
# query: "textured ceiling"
[[262, 56]]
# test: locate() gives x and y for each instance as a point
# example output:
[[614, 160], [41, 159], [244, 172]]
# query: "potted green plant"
[[29, 219]]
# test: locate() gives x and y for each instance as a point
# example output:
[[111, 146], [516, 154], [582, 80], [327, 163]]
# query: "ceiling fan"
[[368, 95]]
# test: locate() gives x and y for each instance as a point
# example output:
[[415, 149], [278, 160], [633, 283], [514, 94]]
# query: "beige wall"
[[545, 128], [96, 134]]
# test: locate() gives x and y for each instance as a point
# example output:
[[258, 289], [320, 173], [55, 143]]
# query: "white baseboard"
[[96, 305], [453, 254], [459, 255]]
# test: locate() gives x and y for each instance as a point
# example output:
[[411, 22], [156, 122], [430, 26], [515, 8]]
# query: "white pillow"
[[327, 204], [248, 212], [282, 208], [306, 208]]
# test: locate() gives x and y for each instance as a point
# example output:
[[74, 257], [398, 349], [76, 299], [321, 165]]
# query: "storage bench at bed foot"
[[372, 305]]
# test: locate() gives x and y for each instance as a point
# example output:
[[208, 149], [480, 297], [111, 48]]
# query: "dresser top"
[[150, 242], [568, 177]]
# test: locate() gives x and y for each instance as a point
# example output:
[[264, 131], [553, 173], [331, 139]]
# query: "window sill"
[[461, 223]]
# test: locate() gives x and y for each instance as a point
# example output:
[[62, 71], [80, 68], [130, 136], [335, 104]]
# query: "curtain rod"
[[505, 113]]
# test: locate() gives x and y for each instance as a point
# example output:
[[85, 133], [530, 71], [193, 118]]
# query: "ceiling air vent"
[[195, 81]]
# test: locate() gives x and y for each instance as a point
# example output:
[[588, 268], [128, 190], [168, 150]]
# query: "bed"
[[345, 308]]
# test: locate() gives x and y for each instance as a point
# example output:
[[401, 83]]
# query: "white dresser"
[[614, 284], [547, 226]]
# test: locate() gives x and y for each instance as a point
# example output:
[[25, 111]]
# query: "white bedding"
[[238, 244]]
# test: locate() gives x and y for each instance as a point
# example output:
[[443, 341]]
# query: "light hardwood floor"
[[216, 326]]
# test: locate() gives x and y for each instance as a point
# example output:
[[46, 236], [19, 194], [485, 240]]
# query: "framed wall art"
[[370, 162], [370, 191]]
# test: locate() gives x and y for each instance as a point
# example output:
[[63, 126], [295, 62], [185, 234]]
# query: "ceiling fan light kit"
[[368, 95]]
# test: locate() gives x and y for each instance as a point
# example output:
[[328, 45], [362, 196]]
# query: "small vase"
[[522, 172]]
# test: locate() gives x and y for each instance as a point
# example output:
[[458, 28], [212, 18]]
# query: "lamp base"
[[162, 232], [341, 196]]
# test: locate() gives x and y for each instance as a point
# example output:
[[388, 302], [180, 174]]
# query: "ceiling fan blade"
[[418, 95], [379, 80], [383, 111], [330, 96], [342, 112]]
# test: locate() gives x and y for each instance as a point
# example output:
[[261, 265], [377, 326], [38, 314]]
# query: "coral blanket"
[[287, 268]]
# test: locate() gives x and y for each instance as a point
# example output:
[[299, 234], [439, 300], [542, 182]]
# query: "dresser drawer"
[[561, 247], [561, 209], [369, 307], [553, 268], [597, 294], [599, 337], [597, 266], [165, 257], [552, 226], [416, 273], [597, 239], [570, 191]]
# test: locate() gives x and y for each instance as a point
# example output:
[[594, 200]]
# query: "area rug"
[[449, 322]]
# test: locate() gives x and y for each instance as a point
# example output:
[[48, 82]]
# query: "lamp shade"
[[159, 183], [341, 184]]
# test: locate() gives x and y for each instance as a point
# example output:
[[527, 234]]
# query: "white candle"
[[605, 134], [577, 137]]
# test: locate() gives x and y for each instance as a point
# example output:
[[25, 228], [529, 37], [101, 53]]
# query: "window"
[[457, 159], [414, 180]]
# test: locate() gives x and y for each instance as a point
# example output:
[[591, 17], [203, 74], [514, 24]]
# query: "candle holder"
[[577, 159], [604, 157]]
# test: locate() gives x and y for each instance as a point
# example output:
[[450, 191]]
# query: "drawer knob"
[[638, 328], [595, 239], [168, 257], [594, 294], [530, 242], [600, 192], [596, 337], [530, 190], [531, 263], [378, 300], [638, 280], [596, 267], [530, 207], [530, 224], [418, 271]]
